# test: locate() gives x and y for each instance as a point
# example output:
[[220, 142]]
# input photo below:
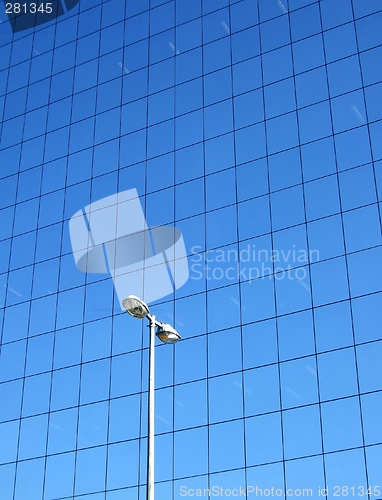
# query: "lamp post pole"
[[167, 334], [151, 414]]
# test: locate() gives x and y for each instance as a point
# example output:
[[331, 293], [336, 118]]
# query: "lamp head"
[[135, 307], [167, 334]]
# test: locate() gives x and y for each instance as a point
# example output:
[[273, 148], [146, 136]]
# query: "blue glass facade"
[[255, 128]]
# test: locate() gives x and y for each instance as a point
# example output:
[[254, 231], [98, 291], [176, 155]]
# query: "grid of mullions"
[[202, 199]]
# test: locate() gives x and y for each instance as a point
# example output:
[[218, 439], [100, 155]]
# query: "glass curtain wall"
[[254, 127]]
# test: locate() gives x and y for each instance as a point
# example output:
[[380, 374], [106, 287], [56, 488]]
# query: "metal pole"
[[150, 441]]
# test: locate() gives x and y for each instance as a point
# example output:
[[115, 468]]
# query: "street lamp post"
[[167, 334]]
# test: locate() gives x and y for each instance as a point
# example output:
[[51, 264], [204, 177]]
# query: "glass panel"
[[36, 394], [364, 274], [191, 456], [16, 322], [371, 72], [266, 478], [216, 55], [65, 388], [11, 392], [326, 238], [125, 375], [62, 434], [306, 474], [252, 179], [329, 281], [93, 425], [224, 352], [39, 354], [290, 249], [195, 348], [95, 381], [333, 326], [220, 189], [305, 22], [59, 475], [90, 479], [260, 292], [67, 347], [315, 191], [302, 432], [97, 340], [293, 291], [371, 405], [9, 437], [122, 467], [373, 457], [335, 14], [293, 199], [12, 360], [190, 405], [346, 468], [337, 374], [164, 408], [188, 35], [231, 406], [259, 344], [308, 54], [367, 318], [261, 390], [353, 148], [7, 480], [33, 435], [295, 335], [284, 169], [275, 33], [232, 433], [299, 382], [223, 308], [263, 437], [367, 365], [30, 479]]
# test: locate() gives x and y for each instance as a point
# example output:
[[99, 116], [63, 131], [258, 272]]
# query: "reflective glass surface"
[[222, 161]]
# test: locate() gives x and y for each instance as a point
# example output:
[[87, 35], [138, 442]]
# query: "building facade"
[[252, 127]]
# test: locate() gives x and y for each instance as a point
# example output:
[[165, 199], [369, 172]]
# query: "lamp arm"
[[153, 320]]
